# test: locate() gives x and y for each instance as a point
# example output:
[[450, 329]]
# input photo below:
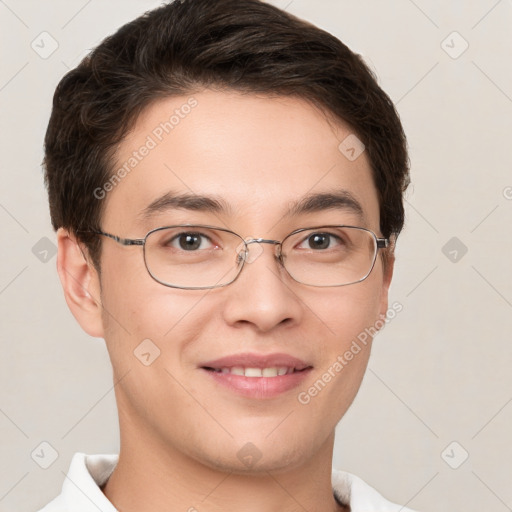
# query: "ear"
[[80, 283], [386, 282]]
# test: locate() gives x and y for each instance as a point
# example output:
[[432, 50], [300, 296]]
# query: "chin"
[[256, 451], [250, 460]]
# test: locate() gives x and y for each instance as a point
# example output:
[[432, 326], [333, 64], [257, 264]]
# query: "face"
[[256, 158]]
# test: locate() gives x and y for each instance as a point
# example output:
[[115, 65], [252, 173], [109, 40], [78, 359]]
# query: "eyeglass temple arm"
[[382, 243], [122, 241]]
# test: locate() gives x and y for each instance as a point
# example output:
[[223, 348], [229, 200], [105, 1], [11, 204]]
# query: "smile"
[[256, 372]]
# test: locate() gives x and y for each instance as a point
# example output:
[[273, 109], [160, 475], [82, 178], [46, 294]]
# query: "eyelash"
[[333, 238]]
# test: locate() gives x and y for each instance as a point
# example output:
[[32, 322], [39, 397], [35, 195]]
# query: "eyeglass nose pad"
[[246, 253]]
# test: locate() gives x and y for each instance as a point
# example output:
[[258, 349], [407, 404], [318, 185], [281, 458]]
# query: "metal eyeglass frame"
[[380, 243]]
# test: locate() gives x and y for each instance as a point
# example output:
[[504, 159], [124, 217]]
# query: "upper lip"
[[252, 360]]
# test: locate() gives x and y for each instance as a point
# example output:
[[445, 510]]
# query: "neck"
[[153, 477]]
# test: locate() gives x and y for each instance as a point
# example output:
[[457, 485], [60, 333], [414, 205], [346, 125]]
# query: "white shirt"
[[87, 473]]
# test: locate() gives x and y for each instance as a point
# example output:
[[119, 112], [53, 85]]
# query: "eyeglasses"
[[198, 257]]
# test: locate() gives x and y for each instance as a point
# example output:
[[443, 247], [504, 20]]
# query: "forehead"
[[256, 155]]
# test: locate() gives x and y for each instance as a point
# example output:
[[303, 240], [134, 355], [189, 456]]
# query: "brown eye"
[[190, 242], [321, 241]]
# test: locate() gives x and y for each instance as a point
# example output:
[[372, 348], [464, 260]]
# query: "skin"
[[180, 430]]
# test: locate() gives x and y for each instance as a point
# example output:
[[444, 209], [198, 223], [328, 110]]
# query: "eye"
[[319, 241], [190, 242]]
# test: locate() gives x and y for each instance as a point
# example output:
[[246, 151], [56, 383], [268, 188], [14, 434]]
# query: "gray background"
[[440, 371]]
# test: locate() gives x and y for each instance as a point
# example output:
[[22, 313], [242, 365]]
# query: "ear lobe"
[[80, 283]]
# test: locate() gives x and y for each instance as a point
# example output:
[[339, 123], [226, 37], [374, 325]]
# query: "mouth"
[[255, 372], [256, 376]]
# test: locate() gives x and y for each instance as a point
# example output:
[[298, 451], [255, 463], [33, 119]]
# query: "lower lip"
[[259, 387]]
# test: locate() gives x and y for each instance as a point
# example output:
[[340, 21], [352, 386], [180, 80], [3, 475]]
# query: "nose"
[[263, 296]]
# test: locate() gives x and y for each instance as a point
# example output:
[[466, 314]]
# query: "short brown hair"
[[188, 45]]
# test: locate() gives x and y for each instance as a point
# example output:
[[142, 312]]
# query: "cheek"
[[347, 317], [347, 311], [139, 309], [348, 342]]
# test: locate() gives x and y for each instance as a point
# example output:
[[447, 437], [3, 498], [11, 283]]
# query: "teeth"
[[257, 372], [254, 372]]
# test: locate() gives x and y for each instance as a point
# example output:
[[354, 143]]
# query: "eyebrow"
[[338, 200], [312, 203], [186, 201]]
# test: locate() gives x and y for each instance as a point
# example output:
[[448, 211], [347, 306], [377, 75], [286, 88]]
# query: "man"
[[226, 184]]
